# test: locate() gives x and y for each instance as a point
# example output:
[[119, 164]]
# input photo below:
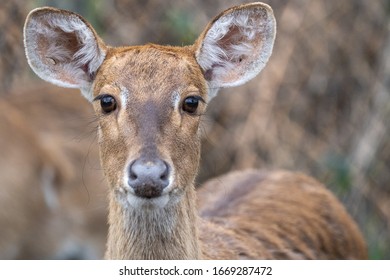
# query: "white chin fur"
[[148, 203]]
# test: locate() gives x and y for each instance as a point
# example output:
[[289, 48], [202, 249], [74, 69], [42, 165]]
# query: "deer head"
[[149, 99]]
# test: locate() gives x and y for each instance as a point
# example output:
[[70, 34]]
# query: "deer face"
[[149, 102]]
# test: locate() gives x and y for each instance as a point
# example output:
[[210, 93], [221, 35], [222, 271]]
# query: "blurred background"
[[321, 106]]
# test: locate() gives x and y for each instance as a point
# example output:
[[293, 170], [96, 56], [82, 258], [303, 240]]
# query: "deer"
[[149, 101], [48, 208]]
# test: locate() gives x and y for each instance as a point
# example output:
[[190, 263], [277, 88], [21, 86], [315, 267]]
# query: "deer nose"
[[148, 178]]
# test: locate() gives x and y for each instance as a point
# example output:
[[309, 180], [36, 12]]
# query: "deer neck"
[[160, 233]]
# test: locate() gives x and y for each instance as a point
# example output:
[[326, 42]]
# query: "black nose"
[[148, 177]]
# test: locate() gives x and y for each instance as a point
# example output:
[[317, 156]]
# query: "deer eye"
[[108, 103], [191, 103]]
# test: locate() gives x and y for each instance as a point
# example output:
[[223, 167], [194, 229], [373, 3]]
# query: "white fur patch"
[[176, 100], [143, 203], [124, 94]]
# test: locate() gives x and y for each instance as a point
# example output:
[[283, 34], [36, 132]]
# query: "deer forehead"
[[150, 72]]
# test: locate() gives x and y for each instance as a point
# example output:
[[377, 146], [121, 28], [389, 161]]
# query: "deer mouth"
[[148, 191], [147, 198], [158, 202]]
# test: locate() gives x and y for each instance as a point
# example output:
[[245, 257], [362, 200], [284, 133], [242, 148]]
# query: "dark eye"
[[108, 103], [190, 104]]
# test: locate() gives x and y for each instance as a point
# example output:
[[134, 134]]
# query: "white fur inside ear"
[[237, 46], [62, 49]]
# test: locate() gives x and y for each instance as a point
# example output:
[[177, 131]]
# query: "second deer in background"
[[149, 101], [51, 206]]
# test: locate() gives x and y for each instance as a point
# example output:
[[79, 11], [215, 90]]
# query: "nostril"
[[165, 171], [132, 175], [132, 171]]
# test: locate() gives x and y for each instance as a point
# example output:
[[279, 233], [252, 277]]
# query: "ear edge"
[[269, 38], [42, 70], [267, 7]]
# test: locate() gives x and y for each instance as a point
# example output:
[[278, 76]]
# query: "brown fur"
[[280, 215], [41, 148], [247, 214]]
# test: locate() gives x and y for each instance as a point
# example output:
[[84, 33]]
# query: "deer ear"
[[236, 45], [62, 48]]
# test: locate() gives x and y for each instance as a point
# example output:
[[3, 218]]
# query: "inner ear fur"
[[62, 48], [236, 45]]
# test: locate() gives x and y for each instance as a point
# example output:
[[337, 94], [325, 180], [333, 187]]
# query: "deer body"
[[48, 209], [149, 101], [286, 216]]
